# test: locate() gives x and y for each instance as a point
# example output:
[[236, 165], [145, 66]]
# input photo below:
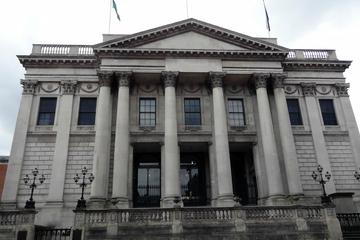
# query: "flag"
[[116, 11], [267, 18]]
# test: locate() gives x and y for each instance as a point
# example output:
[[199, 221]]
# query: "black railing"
[[350, 224], [44, 233]]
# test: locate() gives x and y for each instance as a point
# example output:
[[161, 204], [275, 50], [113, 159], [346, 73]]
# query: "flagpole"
[[110, 16], [187, 9], [267, 18]]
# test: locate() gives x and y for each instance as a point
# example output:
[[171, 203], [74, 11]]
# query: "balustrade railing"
[[312, 54], [12, 218], [59, 49]]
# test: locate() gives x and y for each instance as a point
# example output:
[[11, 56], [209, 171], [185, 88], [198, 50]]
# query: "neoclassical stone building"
[[187, 114]]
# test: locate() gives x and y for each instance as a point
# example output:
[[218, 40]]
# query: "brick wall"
[[307, 163], [39, 152], [81, 152], [342, 163]]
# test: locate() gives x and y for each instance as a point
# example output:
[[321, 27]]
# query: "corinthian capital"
[[308, 88], [260, 80], [278, 80], [105, 78], [169, 78], [342, 89], [68, 87], [29, 86], [216, 79], [123, 78]]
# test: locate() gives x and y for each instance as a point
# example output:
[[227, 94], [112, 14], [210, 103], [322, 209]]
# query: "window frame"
[[40, 112], [242, 100], [301, 121], [187, 112], [336, 122], [140, 112], [79, 113]]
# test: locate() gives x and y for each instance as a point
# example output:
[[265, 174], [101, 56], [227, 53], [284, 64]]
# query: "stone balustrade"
[[312, 54], [63, 50], [17, 224], [303, 220]]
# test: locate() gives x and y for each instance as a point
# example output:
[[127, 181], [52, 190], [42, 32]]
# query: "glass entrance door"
[[192, 177], [147, 181]]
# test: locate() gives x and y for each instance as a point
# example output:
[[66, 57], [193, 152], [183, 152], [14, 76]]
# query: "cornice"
[[160, 53], [188, 25], [50, 61], [327, 66]]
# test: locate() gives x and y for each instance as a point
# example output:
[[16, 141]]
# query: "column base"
[[225, 201], [96, 203], [120, 202], [171, 202]]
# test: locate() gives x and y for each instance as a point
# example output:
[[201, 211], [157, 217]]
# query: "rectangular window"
[[236, 112], [294, 111], [47, 109], [147, 112], [87, 111], [328, 111], [192, 111]]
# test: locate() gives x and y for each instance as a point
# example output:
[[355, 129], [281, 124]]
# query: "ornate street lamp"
[[81, 204], [357, 175], [318, 177], [30, 204]]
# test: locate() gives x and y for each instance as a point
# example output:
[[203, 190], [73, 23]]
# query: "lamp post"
[[81, 204], [30, 204], [357, 175], [318, 177]]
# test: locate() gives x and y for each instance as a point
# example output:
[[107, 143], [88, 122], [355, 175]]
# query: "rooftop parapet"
[[312, 54]]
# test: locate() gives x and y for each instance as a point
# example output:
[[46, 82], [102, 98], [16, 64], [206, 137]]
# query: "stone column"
[[101, 159], [56, 189], [14, 167], [317, 132], [286, 137], [122, 144], [213, 177], [225, 196], [350, 121], [271, 159], [171, 163]]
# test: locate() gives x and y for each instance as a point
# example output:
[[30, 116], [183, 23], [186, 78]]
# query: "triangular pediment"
[[191, 34]]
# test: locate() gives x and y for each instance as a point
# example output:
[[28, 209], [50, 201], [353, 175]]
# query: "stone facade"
[[215, 112]]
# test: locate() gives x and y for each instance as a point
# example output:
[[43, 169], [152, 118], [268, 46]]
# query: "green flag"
[[116, 11]]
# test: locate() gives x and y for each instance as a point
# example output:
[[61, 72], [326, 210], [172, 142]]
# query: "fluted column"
[[102, 141], [286, 136], [271, 159], [317, 132], [56, 189], [14, 167], [122, 144], [221, 143], [171, 163]]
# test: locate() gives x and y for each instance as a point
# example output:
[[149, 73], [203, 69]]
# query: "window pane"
[[192, 111], [87, 111], [294, 111], [47, 109], [147, 112], [236, 115], [328, 111]]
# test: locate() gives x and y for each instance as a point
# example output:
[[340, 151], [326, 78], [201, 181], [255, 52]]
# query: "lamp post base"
[[81, 204], [30, 204], [326, 200]]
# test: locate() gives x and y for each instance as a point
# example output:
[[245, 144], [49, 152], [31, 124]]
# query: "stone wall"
[[39, 153]]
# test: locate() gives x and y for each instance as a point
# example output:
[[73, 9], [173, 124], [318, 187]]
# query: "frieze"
[[292, 89], [308, 89], [342, 89], [169, 78], [147, 88], [49, 87], [123, 78], [68, 87], [191, 88], [29, 86], [88, 87], [105, 78], [216, 79], [236, 89], [260, 80], [278, 80], [325, 90]]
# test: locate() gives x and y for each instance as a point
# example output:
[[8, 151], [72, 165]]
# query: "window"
[[236, 112], [294, 111], [47, 111], [192, 111], [147, 113], [328, 111], [87, 111]]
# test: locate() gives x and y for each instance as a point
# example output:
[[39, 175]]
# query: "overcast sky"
[[323, 24]]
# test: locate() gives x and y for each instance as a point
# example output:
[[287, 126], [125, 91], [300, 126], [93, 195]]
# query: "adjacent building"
[[186, 114]]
